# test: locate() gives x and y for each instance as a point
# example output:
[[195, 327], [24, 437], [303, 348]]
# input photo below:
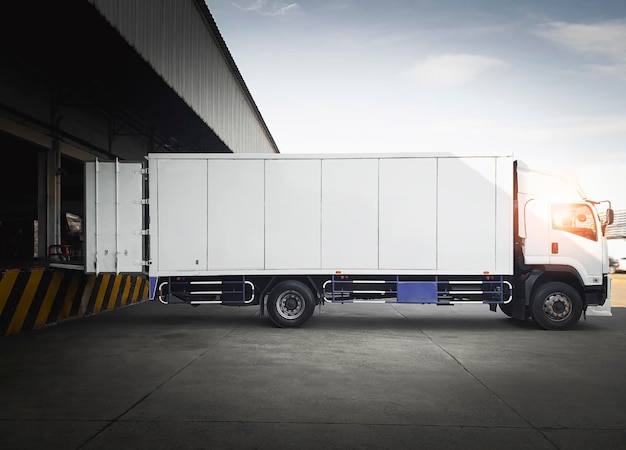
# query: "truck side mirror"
[[610, 216]]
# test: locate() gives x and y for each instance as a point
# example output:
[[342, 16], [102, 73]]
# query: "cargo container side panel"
[[236, 214], [182, 215], [350, 214], [408, 213], [152, 223], [466, 215], [130, 219], [106, 245], [293, 214], [504, 216]]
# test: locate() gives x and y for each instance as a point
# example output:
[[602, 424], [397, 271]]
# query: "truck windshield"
[[575, 218]]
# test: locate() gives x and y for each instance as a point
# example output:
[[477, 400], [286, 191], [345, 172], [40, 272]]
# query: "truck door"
[[114, 217], [576, 240]]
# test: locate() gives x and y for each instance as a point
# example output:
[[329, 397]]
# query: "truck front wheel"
[[556, 306], [290, 304]]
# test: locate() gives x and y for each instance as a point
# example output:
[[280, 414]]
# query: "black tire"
[[507, 308], [290, 304], [556, 306]]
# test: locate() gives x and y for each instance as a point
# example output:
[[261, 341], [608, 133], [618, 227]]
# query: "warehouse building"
[[82, 80]]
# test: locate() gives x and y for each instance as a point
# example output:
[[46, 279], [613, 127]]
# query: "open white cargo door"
[[114, 217]]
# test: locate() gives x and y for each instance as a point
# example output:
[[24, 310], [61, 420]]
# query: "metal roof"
[[66, 63], [182, 43]]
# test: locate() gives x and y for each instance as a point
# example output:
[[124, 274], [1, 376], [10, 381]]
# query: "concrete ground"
[[355, 376]]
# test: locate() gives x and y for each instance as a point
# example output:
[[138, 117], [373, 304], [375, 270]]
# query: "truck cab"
[[563, 258]]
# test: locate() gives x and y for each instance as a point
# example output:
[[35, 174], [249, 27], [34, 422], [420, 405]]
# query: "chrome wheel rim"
[[290, 305]]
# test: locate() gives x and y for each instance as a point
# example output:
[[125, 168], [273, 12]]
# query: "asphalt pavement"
[[355, 376]]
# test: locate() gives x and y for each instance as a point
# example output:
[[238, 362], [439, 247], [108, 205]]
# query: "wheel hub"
[[557, 306], [291, 305]]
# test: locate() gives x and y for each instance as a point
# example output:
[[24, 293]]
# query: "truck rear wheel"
[[290, 304], [507, 308], [556, 306]]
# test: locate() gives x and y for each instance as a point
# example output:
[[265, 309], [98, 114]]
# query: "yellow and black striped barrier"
[[33, 298]]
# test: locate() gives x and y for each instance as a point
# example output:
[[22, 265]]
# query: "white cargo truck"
[[289, 232]]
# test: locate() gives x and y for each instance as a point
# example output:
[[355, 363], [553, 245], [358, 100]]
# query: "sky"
[[542, 80]]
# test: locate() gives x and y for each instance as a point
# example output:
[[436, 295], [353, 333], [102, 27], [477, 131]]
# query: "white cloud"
[[450, 70], [605, 40], [275, 9]]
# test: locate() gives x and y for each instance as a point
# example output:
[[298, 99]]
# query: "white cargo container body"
[[277, 214], [288, 232]]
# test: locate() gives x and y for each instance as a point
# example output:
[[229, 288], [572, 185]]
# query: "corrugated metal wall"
[[175, 39]]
